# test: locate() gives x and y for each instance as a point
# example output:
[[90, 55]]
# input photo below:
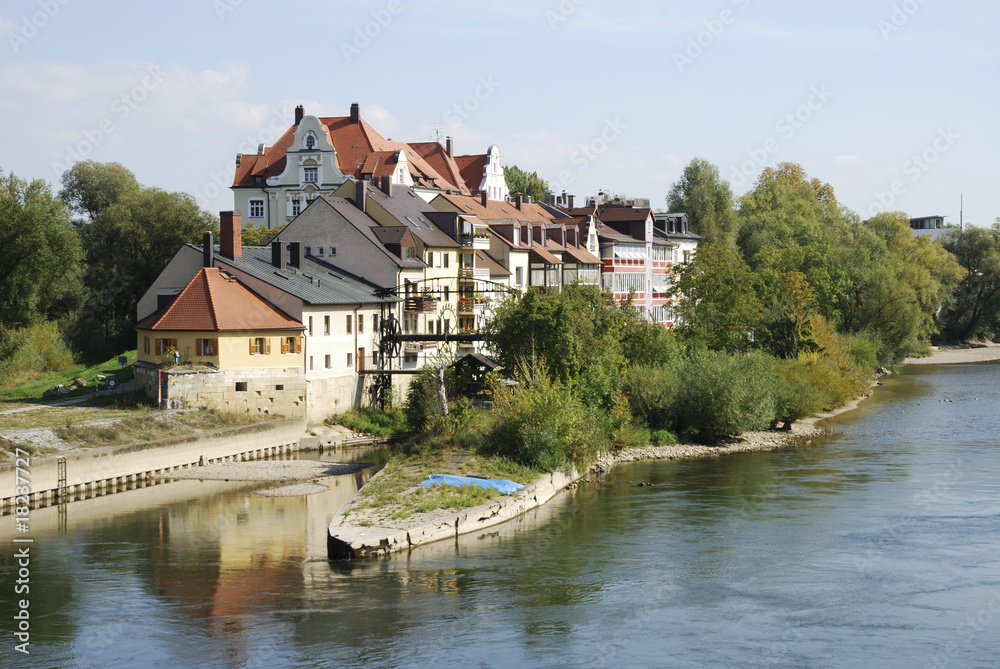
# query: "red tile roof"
[[214, 301], [472, 169]]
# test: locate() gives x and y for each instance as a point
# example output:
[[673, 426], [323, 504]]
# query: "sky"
[[892, 102]]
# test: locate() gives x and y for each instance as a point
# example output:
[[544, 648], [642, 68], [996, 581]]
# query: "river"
[[878, 546]]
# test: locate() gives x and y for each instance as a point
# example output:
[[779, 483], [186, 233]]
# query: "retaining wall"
[[123, 466]]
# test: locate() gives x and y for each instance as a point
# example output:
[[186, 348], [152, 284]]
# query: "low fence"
[[103, 470]]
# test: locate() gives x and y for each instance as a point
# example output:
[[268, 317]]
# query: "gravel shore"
[[955, 355], [265, 470]]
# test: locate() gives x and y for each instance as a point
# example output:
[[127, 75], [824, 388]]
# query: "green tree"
[[90, 187], [519, 181], [127, 245], [708, 201], [975, 310], [717, 300], [39, 252]]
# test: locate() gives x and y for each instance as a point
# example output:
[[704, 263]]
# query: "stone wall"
[[276, 390]]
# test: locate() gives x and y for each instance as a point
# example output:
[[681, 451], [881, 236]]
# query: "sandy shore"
[[955, 355]]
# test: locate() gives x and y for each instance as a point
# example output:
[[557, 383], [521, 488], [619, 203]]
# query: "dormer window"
[[310, 142], [310, 175]]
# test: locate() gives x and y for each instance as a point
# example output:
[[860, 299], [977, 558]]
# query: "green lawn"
[[32, 389]]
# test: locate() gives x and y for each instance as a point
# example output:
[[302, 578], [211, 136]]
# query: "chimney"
[[208, 250], [300, 111], [355, 113], [278, 258], [484, 198], [230, 234], [296, 252], [518, 201], [361, 196], [385, 184], [571, 201], [450, 147]]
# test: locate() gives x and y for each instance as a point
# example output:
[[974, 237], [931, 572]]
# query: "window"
[[519, 276], [279, 387], [350, 362], [328, 361], [361, 323], [319, 251], [145, 344], [309, 251], [310, 326], [326, 325], [206, 347], [165, 346], [446, 291], [409, 253], [297, 207], [260, 346], [374, 322], [291, 345], [310, 175], [333, 250], [447, 326], [446, 256], [241, 386], [256, 209], [310, 142], [310, 363], [348, 324]]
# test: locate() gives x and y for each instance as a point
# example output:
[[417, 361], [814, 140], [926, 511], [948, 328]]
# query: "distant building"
[[932, 226]]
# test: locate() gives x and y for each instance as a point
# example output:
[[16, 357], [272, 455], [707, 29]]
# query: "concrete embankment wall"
[[348, 541], [116, 467]]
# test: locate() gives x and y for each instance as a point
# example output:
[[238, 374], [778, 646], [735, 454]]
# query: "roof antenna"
[[961, 213]]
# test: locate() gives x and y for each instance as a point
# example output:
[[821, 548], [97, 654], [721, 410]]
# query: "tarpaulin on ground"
[[504, 486]]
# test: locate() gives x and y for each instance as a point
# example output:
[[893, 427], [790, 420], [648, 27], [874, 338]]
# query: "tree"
[[717, 300], [707, 200], [90, 187], [127, 245], [519, 181], [39, 251], [975, 310]]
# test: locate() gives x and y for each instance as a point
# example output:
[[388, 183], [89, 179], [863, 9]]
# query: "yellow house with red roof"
[[220, 345]]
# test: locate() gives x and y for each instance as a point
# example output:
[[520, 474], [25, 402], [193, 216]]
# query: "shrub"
[[421, 399], [540, 423], [662, 438], [725, 395], [651, 392], [32, 350], [797, 395]]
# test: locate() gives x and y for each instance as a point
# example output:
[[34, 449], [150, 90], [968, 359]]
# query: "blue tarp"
[[504, 486]]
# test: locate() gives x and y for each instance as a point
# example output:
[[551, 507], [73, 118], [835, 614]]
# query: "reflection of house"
[[236, 351], [340, 312]]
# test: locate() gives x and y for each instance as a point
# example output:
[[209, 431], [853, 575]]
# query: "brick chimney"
[[295, 251], [518, 201], [484, 198], [385, 184], [450, 147], [355, 113], [230, 234], [361, 196], [207, 250], [300, 111]]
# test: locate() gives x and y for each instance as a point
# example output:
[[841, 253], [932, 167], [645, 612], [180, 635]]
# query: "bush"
[[421, 399], [372, 421], [662, 438], [32, 350], [541, 423], [651, 392], [725, 395], [797, 395]]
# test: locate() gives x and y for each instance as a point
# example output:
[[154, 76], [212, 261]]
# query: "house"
[[317, 155], [340, 312], [931, 226], [221, 345]]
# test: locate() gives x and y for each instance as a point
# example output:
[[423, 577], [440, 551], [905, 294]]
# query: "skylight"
[[412, 221]]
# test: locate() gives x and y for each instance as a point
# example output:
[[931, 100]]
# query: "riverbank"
[[957, 355]]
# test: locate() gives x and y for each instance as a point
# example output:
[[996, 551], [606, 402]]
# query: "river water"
[[876, 547]]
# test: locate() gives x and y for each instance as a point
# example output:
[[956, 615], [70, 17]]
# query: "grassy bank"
[[31, 386]]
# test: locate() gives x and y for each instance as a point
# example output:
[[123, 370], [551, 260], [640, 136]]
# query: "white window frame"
[[256, 208]]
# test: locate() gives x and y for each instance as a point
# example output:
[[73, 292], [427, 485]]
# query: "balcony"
[[418, 346], [479, 240], [420, 305], [470, 307], [466, 273]]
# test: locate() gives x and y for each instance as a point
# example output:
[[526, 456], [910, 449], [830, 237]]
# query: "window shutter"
[[284, 345], [267, 346], [199, 348], [252, 346], [298, 345]]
